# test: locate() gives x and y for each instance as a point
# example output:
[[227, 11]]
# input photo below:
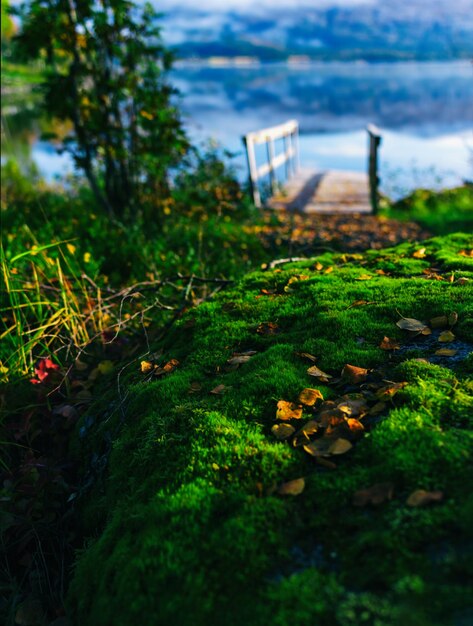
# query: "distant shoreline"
[[254, 62]]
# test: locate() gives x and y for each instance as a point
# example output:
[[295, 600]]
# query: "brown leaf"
[[302, 437], [467, 253], [292, 488], [360, 303], [446, 336], [219, 390], [195, 387], [389, 344], [353, 407], [283, 431], [288, 410], [354, 374], [388, 391], [318, 373], [319, 447], [306, 355], [376, 494], [463, 281], [268, 328], [340, 446], [439, 322], [446, 352], [310, 396], [318, 266], [420, 497], [377, 408], [411, 324], [170, 366]]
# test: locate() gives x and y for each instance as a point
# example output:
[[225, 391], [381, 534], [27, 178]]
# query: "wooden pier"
[[310, 191]]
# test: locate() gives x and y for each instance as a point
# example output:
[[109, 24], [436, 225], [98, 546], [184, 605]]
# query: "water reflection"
[[424, 110]]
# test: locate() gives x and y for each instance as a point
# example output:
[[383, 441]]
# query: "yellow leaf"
[[292, 488], [446, 336], [364, 277], [302, 437], [288, 410], [146, 367], [419, 254], [87, 257], [318, 373], [282, 431], [71, 248], [310, 396], [446, 352]]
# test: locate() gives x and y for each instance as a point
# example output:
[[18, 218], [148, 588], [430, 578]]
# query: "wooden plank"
[[325, 192]]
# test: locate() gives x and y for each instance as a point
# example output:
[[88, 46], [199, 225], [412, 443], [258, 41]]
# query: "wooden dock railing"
[[289, 132]]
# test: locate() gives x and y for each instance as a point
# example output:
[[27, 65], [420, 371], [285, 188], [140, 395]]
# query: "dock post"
[[374, 135]]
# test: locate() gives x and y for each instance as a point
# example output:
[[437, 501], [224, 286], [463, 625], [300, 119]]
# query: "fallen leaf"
[[267, 328], [377, 408], [360, 303], [446, 336], [219, 390], [411, 324], [302, 437], [364, 277], [446, 352], [353, 407], [340, 446], [420, 497], [310, 396], [195, 387], [463, 281], [376, 494], [388, 391], [318, 266], [306, 355], [283, 431], [439, 322], [292, 488], [318, 373], [146, 367], [467, 253], [320, 460], [288, 410], [419, 254], [319, 447], [80, 365], [239, 359], [389, 344], [354, 374]]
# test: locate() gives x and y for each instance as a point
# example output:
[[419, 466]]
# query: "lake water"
[[424, 110]]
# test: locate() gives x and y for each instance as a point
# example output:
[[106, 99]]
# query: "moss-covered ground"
[[190, 528]]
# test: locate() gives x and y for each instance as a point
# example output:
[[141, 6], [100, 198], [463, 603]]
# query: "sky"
[[225, 5]]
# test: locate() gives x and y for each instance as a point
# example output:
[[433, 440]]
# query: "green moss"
[[189, 527], [440, 212]]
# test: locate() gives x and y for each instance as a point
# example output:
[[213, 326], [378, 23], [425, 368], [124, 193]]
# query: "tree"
[[106, 71]]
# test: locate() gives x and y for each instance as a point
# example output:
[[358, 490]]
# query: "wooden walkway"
[[310, 191]]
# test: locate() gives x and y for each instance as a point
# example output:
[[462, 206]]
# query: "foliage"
[[190, 521], [106, 68], [442, 212]]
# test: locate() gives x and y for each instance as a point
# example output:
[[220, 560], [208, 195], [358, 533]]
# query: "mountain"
[[439, 29]]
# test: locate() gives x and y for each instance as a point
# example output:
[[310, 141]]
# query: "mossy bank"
[[189, 527]]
